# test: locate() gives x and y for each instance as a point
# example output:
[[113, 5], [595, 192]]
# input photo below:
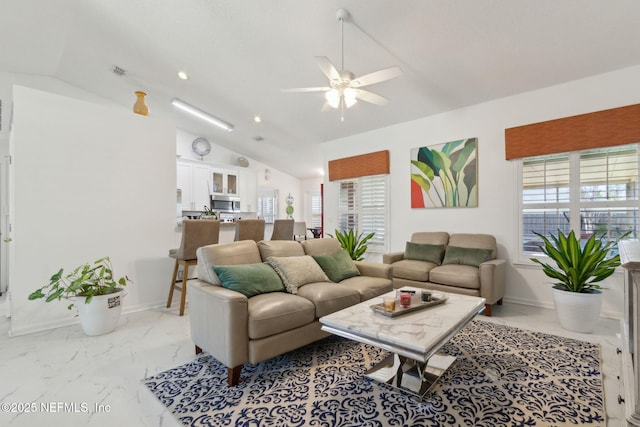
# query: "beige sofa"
[[236, 329], [460, 263]]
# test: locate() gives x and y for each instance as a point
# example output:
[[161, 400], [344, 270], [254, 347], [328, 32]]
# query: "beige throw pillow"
[[296, 271]]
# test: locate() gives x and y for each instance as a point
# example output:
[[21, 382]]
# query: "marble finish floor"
[[81, 380]]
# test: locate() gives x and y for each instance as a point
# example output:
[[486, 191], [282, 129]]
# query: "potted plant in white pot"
[[576, 293], [95, 292]]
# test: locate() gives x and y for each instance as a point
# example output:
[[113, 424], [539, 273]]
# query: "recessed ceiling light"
[[257, 119], [183, 75]]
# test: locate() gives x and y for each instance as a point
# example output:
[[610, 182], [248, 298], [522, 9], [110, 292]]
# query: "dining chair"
[[282, 229], [195, 233], [300, 230]]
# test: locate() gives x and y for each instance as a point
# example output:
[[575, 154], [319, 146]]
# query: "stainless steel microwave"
[[225, 204]]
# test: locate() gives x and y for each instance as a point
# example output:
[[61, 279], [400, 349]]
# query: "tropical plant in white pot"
[[577, 294], [95, 291]]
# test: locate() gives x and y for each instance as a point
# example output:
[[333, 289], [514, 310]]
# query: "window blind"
[[362, 207], [590, 191], [316, 209]]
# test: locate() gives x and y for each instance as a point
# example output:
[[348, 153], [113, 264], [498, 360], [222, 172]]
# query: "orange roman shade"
[[606, 128], [363, 165]]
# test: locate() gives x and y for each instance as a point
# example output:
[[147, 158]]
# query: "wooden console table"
[[630, 260]]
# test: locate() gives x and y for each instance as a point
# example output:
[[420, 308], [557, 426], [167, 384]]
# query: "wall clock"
[[201, 147]]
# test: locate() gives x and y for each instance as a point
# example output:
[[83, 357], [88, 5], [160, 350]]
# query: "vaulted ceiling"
[[240, 54]]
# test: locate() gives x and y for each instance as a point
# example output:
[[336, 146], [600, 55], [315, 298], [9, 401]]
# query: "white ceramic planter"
[[101, 315], [577, 312]]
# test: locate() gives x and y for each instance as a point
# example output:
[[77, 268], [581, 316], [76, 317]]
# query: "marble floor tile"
[[81, 380]]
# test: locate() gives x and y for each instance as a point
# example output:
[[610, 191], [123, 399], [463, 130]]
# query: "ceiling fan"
[[344, 88]]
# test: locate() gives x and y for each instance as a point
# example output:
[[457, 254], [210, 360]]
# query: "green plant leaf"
[[85, 280], [578, 269]]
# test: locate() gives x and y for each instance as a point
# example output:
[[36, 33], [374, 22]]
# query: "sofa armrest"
[[219, 319], [392, 257], [374, 270], [492, 280]]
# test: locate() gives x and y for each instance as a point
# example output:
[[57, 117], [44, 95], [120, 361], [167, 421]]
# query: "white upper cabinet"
[[225, 181], [194, 182]]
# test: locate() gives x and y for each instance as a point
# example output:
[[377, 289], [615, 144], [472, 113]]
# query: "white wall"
[[497, 212], [89, 180]]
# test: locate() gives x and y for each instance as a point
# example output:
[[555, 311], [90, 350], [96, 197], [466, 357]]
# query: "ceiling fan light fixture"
[[333, 98], [349, 96]]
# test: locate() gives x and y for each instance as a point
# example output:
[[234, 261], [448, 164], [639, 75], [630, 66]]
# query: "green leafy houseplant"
[[87, 280], [353, 243], [578, 268]]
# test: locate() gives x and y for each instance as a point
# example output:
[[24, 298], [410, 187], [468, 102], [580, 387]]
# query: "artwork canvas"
[[445, 175]]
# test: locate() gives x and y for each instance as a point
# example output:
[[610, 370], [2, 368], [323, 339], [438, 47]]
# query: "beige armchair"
[[466, 264]]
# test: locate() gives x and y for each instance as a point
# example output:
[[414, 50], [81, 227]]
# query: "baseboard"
[[606, 314], [45, 326]]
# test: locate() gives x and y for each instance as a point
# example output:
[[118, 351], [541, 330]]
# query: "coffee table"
[[413, 338]]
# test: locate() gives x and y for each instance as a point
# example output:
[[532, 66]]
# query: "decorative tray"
[[416, 305]]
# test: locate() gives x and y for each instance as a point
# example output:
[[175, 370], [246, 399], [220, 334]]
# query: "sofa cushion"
[[466, 256], [320, 246], [424, 252], [249, 279], [297, 271], [273, 313], [430, 237], [337, 266], [462, 276], [270, 248], [471, 240], [232, 253], [329, 297], [368, 287], [412, 269]]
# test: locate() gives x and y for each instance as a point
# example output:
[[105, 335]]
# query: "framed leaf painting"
[[445, 175]]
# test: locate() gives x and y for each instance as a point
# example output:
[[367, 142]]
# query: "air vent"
[[119, 71]]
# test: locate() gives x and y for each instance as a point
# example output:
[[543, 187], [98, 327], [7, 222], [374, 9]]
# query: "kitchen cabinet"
[[248, 191], [225, 181], [194, 183]]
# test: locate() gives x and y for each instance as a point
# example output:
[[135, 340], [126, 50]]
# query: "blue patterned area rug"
[[503, 376]]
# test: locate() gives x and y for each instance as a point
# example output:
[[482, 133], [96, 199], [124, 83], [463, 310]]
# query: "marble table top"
[[417, 335]]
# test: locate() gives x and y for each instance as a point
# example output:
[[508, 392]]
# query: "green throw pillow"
[[337, 266], [424, 252], [466, 256], [249, 279]]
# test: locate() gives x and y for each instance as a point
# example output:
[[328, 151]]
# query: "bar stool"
[[249, 229], [195, 233], [282, 229]]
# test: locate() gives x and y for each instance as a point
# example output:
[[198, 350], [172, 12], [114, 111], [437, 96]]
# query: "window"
[[267, 205], [591, 191], [363, 207], [316, 209]]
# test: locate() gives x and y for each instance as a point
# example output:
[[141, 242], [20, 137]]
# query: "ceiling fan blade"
[[371, 97], [377, 77], [306, 89], [328, 68]]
